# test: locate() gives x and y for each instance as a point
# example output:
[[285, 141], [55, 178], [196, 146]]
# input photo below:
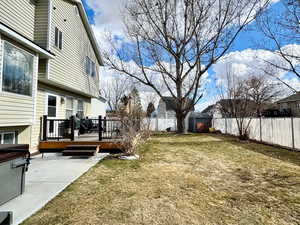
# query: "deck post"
[[45, 128], [72, 126], [100, 127]]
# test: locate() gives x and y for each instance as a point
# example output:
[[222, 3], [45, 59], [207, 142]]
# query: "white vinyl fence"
[[279, 131], [160, 124]]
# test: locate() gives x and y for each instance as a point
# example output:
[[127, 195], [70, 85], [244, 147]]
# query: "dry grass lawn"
[[185, 179]]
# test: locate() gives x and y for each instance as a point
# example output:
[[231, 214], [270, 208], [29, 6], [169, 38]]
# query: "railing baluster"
[[44, 128]]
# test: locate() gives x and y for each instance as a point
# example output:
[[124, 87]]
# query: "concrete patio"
[[45, 179]]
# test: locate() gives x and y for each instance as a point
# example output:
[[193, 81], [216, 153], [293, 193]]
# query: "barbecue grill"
[[14, 161]]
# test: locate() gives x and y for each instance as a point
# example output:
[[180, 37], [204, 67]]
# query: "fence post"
[[72, 126], [45, 128], [260, 129], [225, 125], [293, 132], [100, 128]]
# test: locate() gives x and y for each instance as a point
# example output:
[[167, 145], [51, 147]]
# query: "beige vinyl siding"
[[19, 15], [42, 71], [41, 23], [40, 111], [16, 109], [41, 108], [68, 67], [23, 133]]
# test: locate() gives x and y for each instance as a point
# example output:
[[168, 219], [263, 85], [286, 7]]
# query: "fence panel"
[[219, 124], [297, 132], [254, 129], [161, 124], [270, 130]]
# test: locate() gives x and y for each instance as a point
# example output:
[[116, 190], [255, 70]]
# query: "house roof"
[[291, 98], [89, 30], [209, 108], [171, 103]]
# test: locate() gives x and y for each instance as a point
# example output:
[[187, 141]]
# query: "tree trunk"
[[180, 123]]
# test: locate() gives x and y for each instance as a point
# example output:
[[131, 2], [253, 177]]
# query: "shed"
[[199, 122]]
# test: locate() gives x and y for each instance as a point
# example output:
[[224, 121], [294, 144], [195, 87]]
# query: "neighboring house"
[[223, 108], [210, 110], [166, 108], [49, 65], [290, 105]]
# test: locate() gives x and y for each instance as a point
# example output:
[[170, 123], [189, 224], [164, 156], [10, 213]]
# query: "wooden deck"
[[84, 140]]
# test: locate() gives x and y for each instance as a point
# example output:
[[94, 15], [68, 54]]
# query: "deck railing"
[[59, 129]]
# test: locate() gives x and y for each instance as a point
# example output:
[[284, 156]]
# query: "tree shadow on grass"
[[268, 150]]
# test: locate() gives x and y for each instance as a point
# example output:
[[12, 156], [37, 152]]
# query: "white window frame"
[[76, 10], [7, 132], [2, 43], [92, 67], [77, 110], [73, 101], [46, 105], [60, 41]]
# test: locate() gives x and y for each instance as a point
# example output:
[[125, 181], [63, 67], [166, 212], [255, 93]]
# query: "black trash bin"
[[14, 161]]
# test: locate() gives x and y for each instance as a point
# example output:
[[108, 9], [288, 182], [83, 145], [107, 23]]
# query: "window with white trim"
[[17, 72], [8, 138], [52, 104], [58, 38], [80, 109], [90, 67], [298, 105], [69, 107]]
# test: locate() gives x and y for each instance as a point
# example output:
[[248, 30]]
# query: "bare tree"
[[282, 28], [114, 89], [173, 43], [262, 91], [245, 98], [235, 102]]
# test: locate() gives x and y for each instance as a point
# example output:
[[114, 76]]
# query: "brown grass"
[[185, 179]]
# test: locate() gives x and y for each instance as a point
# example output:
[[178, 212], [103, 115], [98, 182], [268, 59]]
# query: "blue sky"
[[102, 15]]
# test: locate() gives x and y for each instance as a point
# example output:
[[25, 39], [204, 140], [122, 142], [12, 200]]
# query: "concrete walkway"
[[45, 179]]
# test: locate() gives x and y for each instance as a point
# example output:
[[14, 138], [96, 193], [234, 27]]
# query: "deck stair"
[[81, 150]]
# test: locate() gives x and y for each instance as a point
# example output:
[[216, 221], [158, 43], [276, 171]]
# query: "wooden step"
[[82, 147], [77, 152]]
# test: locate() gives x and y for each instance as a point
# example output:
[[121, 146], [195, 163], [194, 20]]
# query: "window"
[[80, 109], [93, 69], [52, 101], [76, 10], [58, 38], [90, 67], [17, 70], [298, 105], [69, 108], [87, 65], [7, 138]]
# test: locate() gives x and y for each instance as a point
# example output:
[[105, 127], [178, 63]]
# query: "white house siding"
[[41, 23], [19, 15], [68, 67], [16, 110]]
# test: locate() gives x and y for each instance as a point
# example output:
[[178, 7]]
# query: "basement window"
[[8, 138]]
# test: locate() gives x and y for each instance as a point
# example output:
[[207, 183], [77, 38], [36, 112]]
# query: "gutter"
[[7, 31]]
